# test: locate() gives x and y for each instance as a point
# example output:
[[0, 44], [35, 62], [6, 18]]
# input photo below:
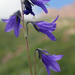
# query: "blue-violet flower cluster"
[[41, 26]]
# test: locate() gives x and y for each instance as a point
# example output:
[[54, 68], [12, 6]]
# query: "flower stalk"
[[26, 39], [28, 56]]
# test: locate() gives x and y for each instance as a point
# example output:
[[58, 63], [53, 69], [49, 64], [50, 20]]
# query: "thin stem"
[[26, 38], [28, 55], [35, 63]]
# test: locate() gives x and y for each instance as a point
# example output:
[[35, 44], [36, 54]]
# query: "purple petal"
[[26, 12], [45, 52], [21, 26], [48, 56], [46, 26], [17, 29], [33, 13], [44, 1], [56, 19], [43, 24], [47, 67], [9, 28], [53, 27], [49, 62], [5, 20], [40, 4], [53, 57], [54, 66], [57, 57], [48, 70], [10, 25], [49, 34]]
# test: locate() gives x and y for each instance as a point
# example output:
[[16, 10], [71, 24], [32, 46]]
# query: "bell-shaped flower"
[[49, 60], [46, 28], [41, 3], [28, 8], [13, 23]]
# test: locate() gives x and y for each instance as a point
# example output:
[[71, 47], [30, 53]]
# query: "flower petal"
[[56, 19], [28, 8], [33, 13], [10, 25], [26, 12], [44, 1], [5, 20], [9, 28], [17, 29], [21, 26], [54, 66], [47, 67], [53, 57], [46, 25], [57, 57], [49, 62], [40, 4], [49, 34], [48, 70]]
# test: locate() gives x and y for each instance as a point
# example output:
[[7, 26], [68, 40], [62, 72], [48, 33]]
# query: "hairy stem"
[[26, 38]]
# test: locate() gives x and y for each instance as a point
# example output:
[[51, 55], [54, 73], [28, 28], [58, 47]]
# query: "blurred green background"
[[13, 53]]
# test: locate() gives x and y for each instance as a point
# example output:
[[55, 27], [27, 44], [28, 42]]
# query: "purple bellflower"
[[28, 8], [13, 23], [41, 3], [46, 28], [49, 60]]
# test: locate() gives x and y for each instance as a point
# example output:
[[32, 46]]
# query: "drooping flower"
[[13, 23], [49, 60], [28, 8], [46, 28], [41, 3]]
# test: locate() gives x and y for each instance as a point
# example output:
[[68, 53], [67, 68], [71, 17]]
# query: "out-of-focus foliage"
[[13, 54]]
